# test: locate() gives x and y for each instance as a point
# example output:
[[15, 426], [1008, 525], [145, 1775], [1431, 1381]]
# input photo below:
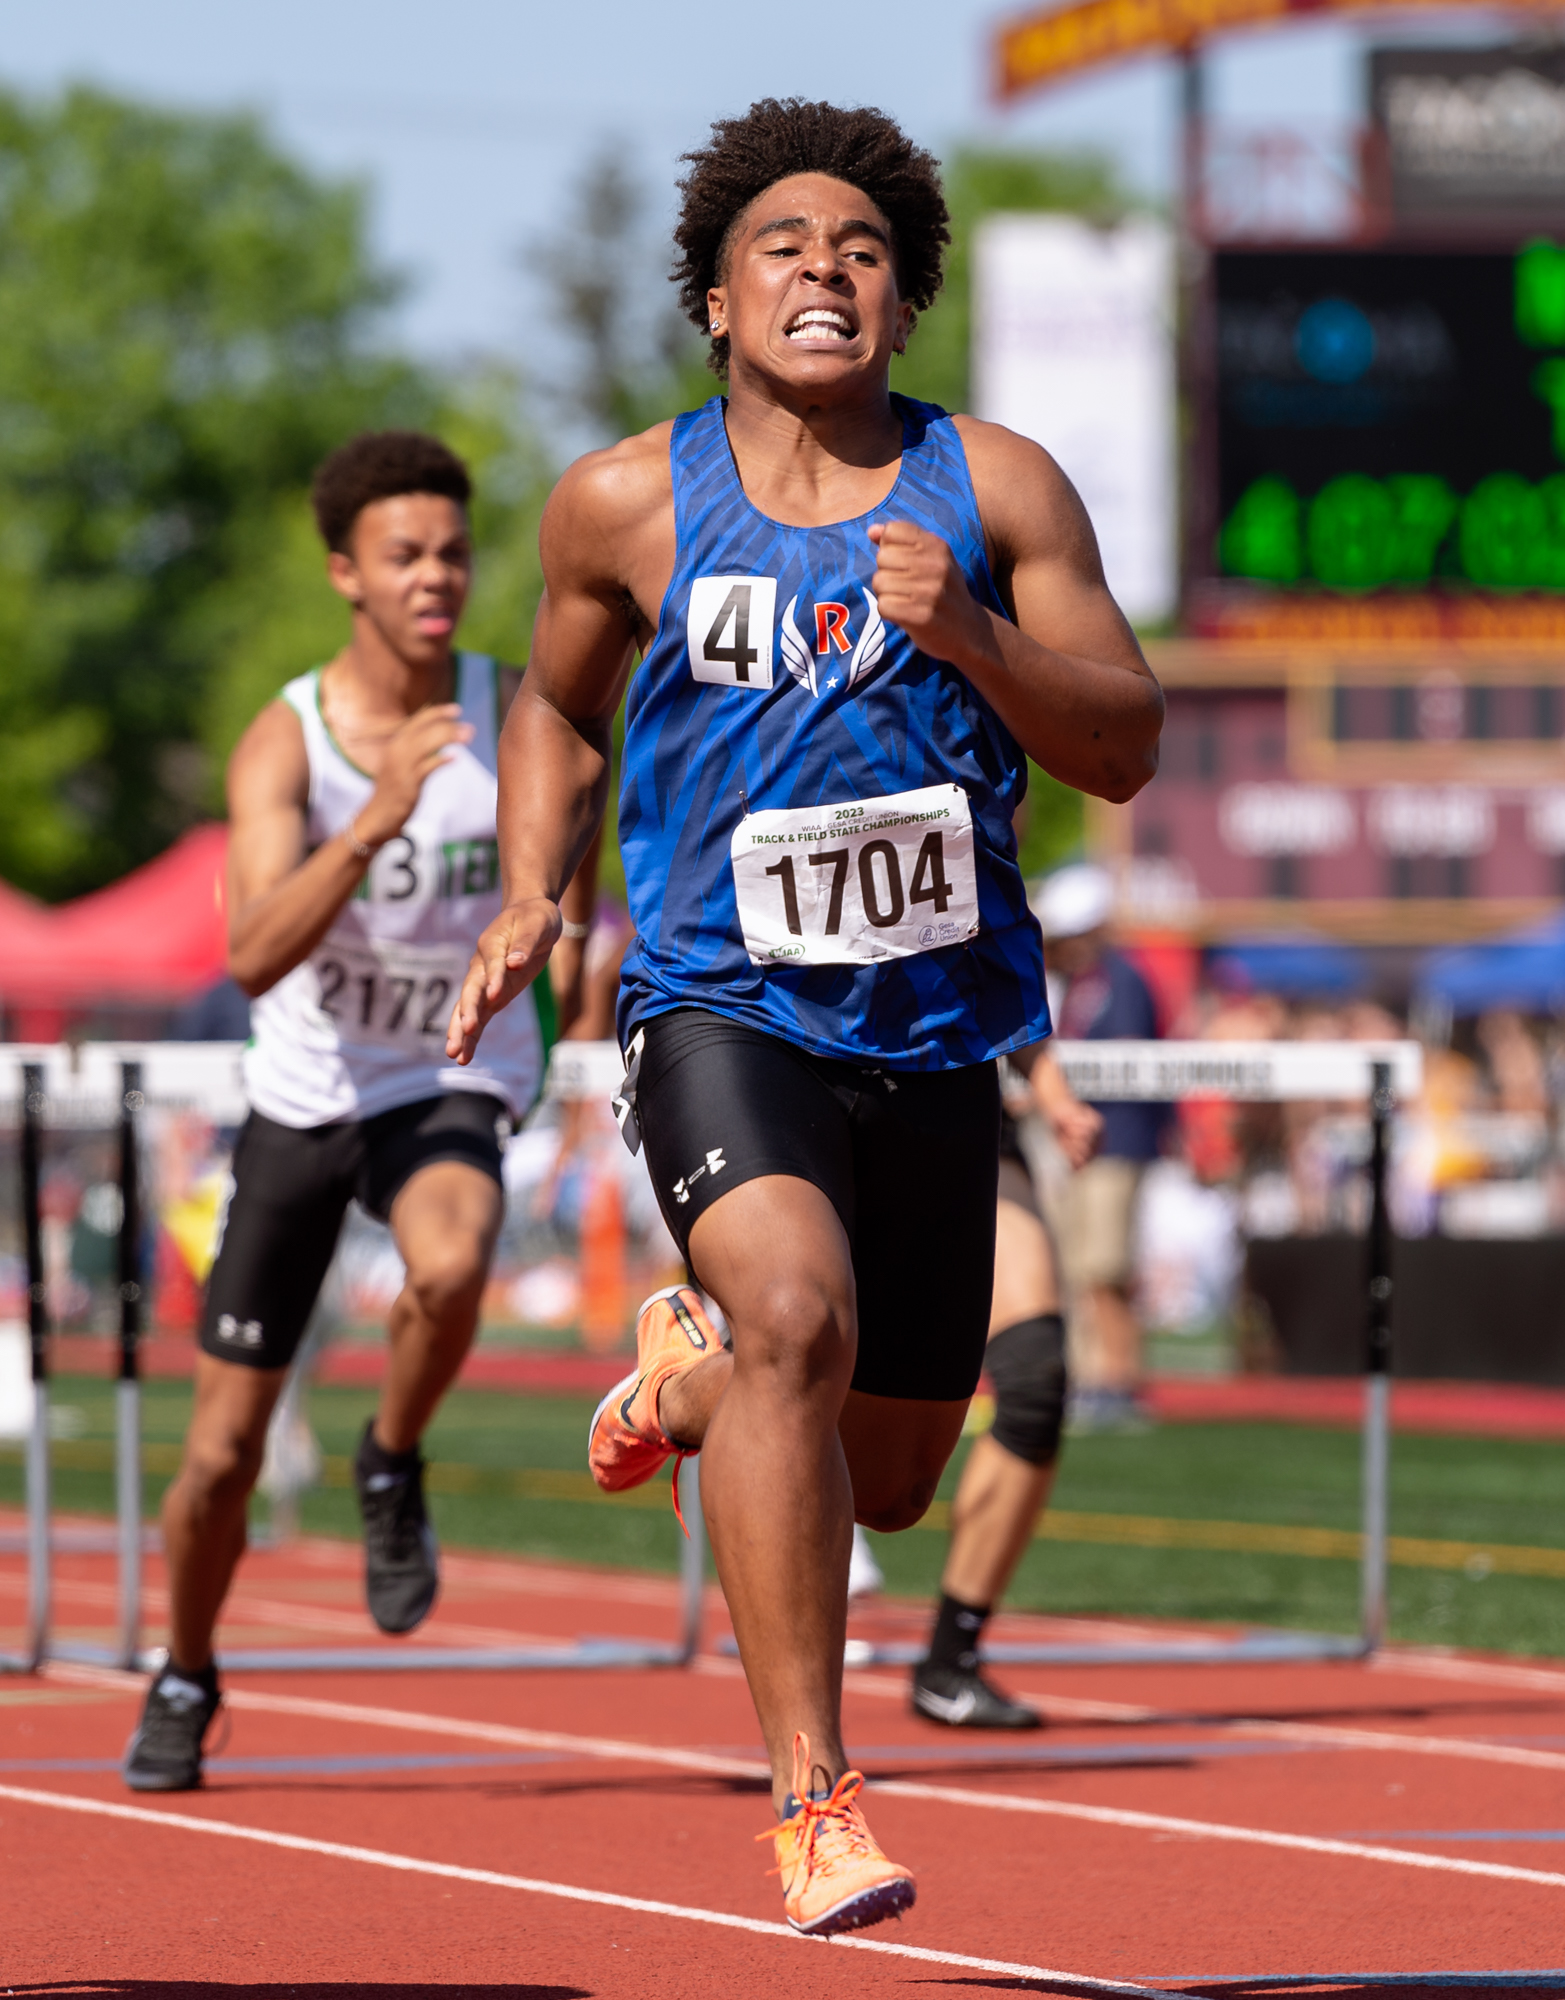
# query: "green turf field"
[[1502, 1492]]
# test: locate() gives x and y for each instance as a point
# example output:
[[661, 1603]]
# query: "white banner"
[[82, 1084], [1254, 1072], [581, 1072], [1073, 346], [82, 1080]]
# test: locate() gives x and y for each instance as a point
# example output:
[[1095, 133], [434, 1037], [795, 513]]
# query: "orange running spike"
[[834, 1875], [626, 1443]]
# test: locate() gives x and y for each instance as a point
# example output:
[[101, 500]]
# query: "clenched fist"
[[918, 586], [417, 747]]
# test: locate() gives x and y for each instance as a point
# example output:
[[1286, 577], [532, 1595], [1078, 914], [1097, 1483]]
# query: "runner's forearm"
[[1051, 1093], [1091, 724], [275, 931], [554, 785], [568, 960]]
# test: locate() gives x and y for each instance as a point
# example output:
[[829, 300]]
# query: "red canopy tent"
[[157, 937]]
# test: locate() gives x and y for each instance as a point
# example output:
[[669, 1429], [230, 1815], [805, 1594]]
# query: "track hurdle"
[[1261, 1072], [112, 1085], [127, 1391], [39, 1589]]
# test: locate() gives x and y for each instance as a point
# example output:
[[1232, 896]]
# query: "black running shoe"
[[164, 1755], [401, 1561], [964, 1699]]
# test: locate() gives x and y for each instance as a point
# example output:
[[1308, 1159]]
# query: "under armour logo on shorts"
[[714, 1163]]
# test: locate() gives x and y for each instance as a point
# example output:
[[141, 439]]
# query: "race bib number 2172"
[[857, 882]]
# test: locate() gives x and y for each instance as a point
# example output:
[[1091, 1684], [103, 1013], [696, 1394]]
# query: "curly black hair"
[[378, 465], [777, 137]]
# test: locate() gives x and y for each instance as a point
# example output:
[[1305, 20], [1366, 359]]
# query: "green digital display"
[[1540, 295], [1392, 420]]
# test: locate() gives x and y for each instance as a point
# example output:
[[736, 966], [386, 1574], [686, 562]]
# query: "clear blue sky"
[[470, 119]]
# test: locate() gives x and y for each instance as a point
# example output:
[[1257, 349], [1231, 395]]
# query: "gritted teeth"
[[816, 321]]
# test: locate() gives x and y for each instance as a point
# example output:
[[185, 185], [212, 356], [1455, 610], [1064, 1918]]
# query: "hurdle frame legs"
[[583, 1655], [40, 1581], [127, 1392], [127, 1651], [39, 1576], [1254, 1648], [586, 1653], [1377, 1367], [41, 1644]]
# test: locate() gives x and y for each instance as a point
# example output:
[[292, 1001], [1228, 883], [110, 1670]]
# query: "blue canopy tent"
[[1525, 970], [1296, 967]]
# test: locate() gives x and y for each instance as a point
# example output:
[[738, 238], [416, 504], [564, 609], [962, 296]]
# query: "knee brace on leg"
[[1026, 1364]]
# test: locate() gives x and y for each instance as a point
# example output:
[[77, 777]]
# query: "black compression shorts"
[[907, 1159], [292, 1187]]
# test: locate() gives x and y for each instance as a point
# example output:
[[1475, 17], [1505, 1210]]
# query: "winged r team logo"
[[822, 671]]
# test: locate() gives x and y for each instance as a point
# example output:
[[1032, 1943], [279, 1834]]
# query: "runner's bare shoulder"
[[1029, 509], [270, 764], [609, 513]]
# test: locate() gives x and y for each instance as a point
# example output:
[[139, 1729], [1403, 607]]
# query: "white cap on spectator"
[[1073, 901]]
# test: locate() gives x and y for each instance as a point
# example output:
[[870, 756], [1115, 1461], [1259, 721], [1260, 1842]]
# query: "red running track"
[[555, 1835]]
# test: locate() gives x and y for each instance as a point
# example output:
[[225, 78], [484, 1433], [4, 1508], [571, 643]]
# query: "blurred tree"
[[276, 615], [188, 328], [637, 360], [487, 421], [938, 365]]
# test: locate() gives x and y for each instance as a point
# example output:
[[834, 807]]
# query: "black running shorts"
[[907, 1159], [292, 1187]]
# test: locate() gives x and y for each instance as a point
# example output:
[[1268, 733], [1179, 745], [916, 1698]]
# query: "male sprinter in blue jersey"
[[855, 614]]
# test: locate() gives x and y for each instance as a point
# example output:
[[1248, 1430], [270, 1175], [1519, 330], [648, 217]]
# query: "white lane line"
[[240, 1699], [1417, 1746], [1069, 1708], [244, 1609], [1055, 1707], [407, 1864], [503, 1732], [736, 1767], [1452, 1667], [673, 1757], [1203, 1829]]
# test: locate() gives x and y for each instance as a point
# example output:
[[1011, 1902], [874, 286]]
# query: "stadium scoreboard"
[[1391, 420]]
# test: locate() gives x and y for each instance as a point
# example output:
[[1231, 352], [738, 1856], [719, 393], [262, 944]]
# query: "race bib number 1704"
[[858, 882]]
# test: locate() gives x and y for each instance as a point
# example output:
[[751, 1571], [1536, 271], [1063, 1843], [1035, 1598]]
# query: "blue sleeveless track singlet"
[[806, 700]]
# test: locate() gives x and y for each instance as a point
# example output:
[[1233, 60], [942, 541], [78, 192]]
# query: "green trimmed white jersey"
[[360, 1026]]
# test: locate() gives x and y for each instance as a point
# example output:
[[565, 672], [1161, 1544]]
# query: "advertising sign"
[[1472, 136], [1073, 346], [1392, 420], [1035, 48], [1393, 798]]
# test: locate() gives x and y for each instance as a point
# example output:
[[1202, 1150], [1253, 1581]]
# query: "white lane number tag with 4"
[[855, 883], [728, 629]]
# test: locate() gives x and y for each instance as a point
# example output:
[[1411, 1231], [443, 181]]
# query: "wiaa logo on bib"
[[729, 631]]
